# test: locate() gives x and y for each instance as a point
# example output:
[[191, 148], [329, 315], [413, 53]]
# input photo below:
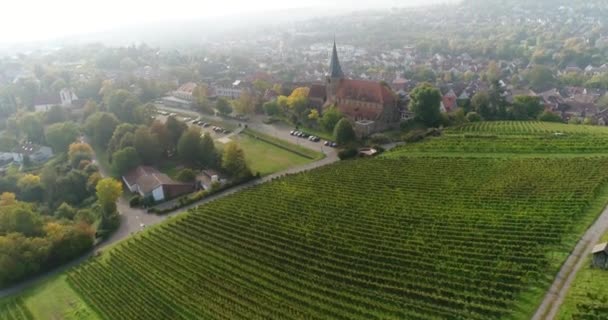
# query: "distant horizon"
[[63, 19]]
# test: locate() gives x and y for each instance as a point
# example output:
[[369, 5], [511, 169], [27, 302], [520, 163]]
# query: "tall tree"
[[60, 135], [175, 128], [31, 125], [108, 192], [330, 118], [425, 101], [124, 160], [223, 106], [343, 132], [233, 161], [147, 146], [101, 126], [189, 146]]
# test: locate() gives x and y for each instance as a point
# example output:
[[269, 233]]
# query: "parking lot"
[[304, 135]]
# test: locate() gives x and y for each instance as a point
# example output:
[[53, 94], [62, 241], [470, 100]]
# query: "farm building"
[[600, 255], [149, 182]]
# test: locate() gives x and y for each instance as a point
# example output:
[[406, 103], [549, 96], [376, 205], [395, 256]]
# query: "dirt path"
[[555, 296]]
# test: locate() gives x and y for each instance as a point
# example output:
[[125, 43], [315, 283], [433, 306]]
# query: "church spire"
[[335, 71]]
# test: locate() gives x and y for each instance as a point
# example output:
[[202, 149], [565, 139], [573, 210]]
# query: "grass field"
[[52, 299], [266, 158], [475, 234], [588, 295]]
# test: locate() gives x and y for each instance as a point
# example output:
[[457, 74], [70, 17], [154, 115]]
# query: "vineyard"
[[408, 238], [14, 309], [513, 137]]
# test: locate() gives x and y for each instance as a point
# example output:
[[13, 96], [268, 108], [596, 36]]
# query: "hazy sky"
[[30, 20]]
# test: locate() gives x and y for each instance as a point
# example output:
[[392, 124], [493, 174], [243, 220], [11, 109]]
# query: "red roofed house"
[[149, 182], [370, 106], [448, 101], [185, 91]]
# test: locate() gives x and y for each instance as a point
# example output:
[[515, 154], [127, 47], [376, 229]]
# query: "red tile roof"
[[366, 91], [317, 91]]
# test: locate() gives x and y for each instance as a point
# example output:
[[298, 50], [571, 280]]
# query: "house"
[[66, 98], [208, 178], [36, 153], [149, 182], [600, 255], [185, 91], [448, 101], [371, 106], [229, 91]]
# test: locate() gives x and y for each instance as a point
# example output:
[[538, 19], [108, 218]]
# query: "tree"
[[186, 175], [7, 199], [330, 118], [540, 77], [31, 125], [90, 108], [65, 211], [55, 114], [124, 160], [526, 107], [481, 104], [117, 141], [175, 128], [208, 153], [79, 151], [108, 192], [101, 126], [188, 147], [123, 104], [30, 188], [233, 161], [344, 133], [60, 135], [271, 108], [223, 106], [147, 146], [159, 130], [425, 101], [144, 113], [313, 115], [245, 104]]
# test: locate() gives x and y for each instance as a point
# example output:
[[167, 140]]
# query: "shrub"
[[414, 136], [549, 116], [135, 201], [473, 117], [347, 153], [186, 175], [379, 138]]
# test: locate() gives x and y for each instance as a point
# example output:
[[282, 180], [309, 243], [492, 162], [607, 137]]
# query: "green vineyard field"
[[405, 238], [14, 309]]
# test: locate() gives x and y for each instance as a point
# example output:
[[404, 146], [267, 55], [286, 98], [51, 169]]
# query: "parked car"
[[333, 145], [326, 143], [292, 132], [316, 139], [205, 125]]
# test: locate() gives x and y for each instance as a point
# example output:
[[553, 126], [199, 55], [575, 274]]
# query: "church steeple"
[[335, 70]]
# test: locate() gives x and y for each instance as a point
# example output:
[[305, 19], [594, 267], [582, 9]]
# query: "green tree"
[[481, 104], [124, 160], [100, 126], [526, 107], [186, 175], [223, 106], [175, 129], [147, 146], [271, 108], [473, 117], [208, 154], [233, 161], [123, 104], [344, 133], [425, 101], [540, 77], [330, 118], [188, 147], [60, 135], [55, 114], [31, 125]]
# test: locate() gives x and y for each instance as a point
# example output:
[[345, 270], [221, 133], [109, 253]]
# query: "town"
[[303, 168]]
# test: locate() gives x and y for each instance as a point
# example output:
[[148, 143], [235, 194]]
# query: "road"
[[132, 219], [559, 288]]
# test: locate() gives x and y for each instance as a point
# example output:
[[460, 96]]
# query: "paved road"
[[132, 219], [555, 297]]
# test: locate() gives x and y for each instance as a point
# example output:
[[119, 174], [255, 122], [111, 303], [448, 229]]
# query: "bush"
[[473, 117], [549, 116], [414, 136], [135, 201], [186, 175], [379, 138], [347, 153]]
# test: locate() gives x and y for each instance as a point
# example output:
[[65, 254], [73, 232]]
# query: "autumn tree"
[[233, 161]]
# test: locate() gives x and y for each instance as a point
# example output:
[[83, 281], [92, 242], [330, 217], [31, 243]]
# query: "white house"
[[230, 92], [66, 98], [149, 182]]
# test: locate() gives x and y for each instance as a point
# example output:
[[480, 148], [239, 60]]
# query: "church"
[[370, 106]]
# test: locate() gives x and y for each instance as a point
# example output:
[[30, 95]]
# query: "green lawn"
[[55, 299], [266, 158], [588, 294]]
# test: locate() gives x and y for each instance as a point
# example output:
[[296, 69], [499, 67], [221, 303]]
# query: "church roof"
[[335, 70], [366, 91]]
